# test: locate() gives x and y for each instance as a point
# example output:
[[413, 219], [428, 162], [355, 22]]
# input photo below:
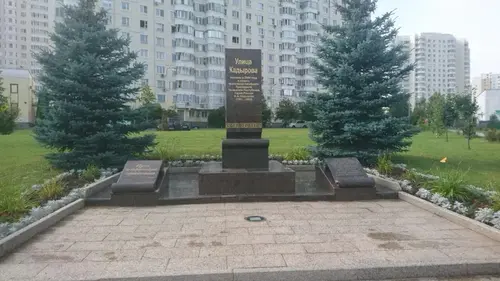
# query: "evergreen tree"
[[361, 71], [89, 77], [493, 123], [217, 118]]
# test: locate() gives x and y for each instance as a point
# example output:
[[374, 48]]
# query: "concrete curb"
[[464, 221], [19, 237], [387, 183], [98, 186]]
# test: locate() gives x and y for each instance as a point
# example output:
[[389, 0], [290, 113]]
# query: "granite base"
[[250, 154], [215, 180]]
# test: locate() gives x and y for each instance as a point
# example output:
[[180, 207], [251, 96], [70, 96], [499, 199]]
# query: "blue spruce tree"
[[361, 70], [88, 81]]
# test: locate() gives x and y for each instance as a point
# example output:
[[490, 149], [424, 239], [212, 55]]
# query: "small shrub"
[[495, 205], [492, 135], [13, 203], [298, 153], [452, 186], [51, 190], [91, 173], [384, 164]]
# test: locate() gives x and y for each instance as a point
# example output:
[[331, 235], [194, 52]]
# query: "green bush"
[[91, 173], [496, 202], [53, 189], [498, 135], [492, 135], [384, 164], [452, 185], [298, 153], [14, 203]]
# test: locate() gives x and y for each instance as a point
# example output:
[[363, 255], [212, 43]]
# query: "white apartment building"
[[489, 104], [183, 42], [487, 81], [442, 64]]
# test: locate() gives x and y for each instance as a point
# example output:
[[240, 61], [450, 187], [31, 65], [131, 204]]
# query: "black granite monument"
[[347, 178], [245, 167], [139, 183]]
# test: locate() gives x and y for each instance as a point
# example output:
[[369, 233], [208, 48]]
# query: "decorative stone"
[[139, 176]]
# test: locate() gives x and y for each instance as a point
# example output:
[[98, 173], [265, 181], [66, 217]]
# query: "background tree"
[[147, 96], [217, 118], [419, 113], [436, 114], [287, 111], [450, 114], [88, 76], [361, 70], [467, 108], [8, 115], [306, 111], [41, 105], [494, 123], [267, 114]]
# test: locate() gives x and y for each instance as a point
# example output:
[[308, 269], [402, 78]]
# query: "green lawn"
[[22, 163]]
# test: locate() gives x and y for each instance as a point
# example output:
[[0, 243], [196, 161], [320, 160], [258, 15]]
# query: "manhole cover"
[[255, 218]]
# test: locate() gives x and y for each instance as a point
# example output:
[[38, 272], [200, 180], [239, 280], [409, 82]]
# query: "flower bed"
[[198, 160], [479, 207], [76, 187]]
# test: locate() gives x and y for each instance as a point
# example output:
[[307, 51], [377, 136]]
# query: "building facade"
[[182, 42], [487, 81], [19, 89], [489, 104], [442, 64]]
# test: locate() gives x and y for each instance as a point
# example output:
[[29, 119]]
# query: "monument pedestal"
[[215, 180], [250, 154]]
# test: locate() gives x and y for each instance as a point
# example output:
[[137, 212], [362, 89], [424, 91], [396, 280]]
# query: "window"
[[143, 24], [260, 20], [236, 2], [143, 53], [160, 42], [160, 27], [249, 29], [236, 14], [125, 21], [236, 39], [249, 16], [271, 57], [236, 27], [260, 6], [271, 69], [125, 6], [160, 69], [160, 55], [160, 84], [160, 13], [249, 42], [249, 3], [261, 31], [160, 98], [272, 9], [261, 43], [13, 88], [144, 9], [144, 39]]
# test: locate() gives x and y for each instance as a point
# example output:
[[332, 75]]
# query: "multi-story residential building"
[[488, 102], [442, 64], [182, 42], [24, 29], [487, 81]]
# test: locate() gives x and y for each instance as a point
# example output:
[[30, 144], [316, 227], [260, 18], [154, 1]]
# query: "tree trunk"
[[446, 134], [468, 142]]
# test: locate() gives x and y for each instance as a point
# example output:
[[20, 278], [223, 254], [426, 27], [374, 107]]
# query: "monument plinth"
[[245, 166]]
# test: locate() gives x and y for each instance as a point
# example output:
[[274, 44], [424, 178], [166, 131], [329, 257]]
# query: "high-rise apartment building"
[[182, 43], [442, 64], [24, 29], [487, 81]]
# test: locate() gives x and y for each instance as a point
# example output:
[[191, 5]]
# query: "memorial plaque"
[[348, 173], [243, 93], [139, 176]]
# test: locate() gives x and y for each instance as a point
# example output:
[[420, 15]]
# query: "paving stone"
[[36, 246], [301, 238], [313, 261], [127, 236], [172, 234], [365, 259], [145, 221], [68, 230], [203, 226], [145, 244], [226, 231], [73, 271], [250, 239], [201, 241], [143, 268], [268, 249], [474, 242], [255, 261], [332, 247], [247, 224], [97, 246], [46, 257], [426, 255], [467, 253], [166, 253], [121, 255], [112, 229], [271, 230], [73, 237], [102, 222], [288, 223], [18, 271], [212, 263], [231, 250], [159, 228]]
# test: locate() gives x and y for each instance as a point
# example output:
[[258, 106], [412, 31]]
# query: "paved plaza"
[[215, 242]]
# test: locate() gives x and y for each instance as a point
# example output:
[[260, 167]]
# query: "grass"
[[22, 163]]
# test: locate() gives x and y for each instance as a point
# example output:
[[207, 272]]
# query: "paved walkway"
[[216, 240]]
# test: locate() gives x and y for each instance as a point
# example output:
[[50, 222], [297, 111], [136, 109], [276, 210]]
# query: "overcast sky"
[[475, 20]]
